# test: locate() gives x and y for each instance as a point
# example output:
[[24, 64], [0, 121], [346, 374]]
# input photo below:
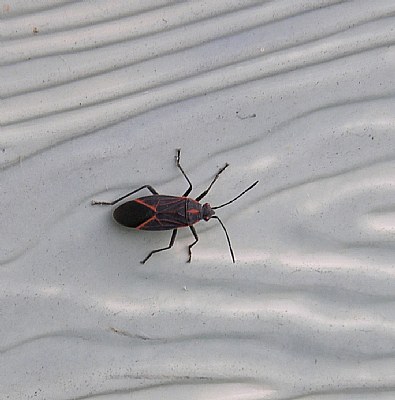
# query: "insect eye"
[[208, 212]]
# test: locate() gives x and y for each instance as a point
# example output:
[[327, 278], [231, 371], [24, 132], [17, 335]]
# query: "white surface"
[[299, 95]]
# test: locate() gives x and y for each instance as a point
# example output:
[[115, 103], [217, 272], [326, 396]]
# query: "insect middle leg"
[[193, 244], [111, 203], [172, 239], [183, 172], [201, 195]]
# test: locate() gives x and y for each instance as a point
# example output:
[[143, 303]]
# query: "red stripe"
[[153, 208], [146, 222]]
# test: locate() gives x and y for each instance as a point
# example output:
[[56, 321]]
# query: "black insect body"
[[160, 212]]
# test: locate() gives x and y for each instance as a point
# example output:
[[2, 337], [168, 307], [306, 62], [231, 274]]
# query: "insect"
[[159, 212]]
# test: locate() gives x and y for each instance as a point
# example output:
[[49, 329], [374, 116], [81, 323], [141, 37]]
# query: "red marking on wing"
[[153, 208], [156, 224], [146, 222]]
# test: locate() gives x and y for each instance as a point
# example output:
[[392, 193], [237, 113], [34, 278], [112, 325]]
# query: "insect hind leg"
[[111, 203], [172, 239]]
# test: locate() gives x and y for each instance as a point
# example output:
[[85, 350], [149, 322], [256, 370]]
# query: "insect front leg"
[[182, 171], [193, 244], [201, 195], [111, 203], [172, 239]]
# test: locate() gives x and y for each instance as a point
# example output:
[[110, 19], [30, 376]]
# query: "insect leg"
[[212, 183], [185, 175], [111, 203], [172, 239], [193, 244]]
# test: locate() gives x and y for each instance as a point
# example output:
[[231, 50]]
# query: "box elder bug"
[[159, 212]]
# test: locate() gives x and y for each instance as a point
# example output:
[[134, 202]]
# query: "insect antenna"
[[223, 226], [231, 201], [227, 237]]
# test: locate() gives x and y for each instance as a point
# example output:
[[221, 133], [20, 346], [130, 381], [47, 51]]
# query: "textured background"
[[97, 95]]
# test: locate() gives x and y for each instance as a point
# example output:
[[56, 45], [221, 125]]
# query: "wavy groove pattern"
[[95, 98]]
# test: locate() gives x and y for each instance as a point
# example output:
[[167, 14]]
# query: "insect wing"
[[132, 214], [169, 212]]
